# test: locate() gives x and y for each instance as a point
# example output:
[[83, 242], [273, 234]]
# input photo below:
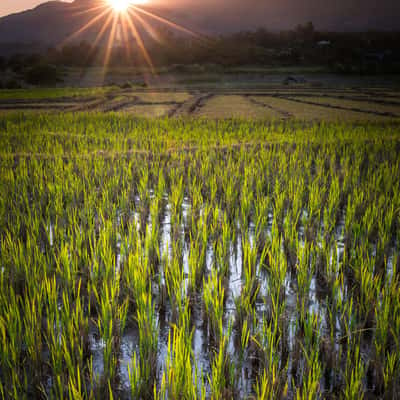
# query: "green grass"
[[52, 93]]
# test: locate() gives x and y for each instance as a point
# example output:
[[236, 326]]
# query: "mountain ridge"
[[53, 22]]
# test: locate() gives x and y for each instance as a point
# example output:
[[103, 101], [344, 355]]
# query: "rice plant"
[[166, 259]]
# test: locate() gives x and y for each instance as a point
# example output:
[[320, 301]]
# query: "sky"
[[12, 6], [272, 14]]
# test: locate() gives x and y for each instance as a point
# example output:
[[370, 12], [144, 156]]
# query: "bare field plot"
[[148, 111], [367, 106], [163, 97], [228, 106], [314, 112]]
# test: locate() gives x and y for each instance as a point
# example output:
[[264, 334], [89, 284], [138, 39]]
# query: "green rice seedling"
[[135, 378], [276, 264], [222, 378], [261, 221], [152, 248], [291, 240], [354, 374], [176, 200], [315, 198], [74, 325], [11, 326], [196, 203], [53, 334], [246, 205], [197, 260], [265, 387], [181, 374], [311, 381], [245, 302], [148, 343], [244, 339], [391, 374], [175, 284], [279, 200], [111, 324], [213, 297], [32, 320], [268, 341], [383, 313], [144, 197], [368, 288], [251, 258], [231, 196], [223, 246], [304, 275], [385, 225]]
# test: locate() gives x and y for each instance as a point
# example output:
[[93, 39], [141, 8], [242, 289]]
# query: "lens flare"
[[122, 22], [121, 6]]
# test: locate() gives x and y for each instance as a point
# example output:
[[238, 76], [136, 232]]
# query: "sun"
[[123, 5]]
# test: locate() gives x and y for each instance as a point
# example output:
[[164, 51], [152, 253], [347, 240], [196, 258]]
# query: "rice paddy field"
[[306, 102], [183, 258]]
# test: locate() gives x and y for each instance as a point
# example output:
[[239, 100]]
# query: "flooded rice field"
[[174, 260]]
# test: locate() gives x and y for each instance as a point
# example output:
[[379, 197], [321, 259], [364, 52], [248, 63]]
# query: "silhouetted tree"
[[42, 74]]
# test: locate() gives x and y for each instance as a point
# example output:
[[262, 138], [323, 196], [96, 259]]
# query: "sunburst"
[[125, 16], [121, 6]]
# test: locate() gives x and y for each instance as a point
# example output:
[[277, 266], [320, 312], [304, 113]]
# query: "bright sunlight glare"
[[123, 5]]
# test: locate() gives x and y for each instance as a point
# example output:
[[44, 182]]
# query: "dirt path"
[[90, 106], [191, 106], [118, 105]]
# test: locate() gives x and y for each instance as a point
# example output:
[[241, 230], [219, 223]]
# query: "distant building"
[[375, 57], [324, 43]]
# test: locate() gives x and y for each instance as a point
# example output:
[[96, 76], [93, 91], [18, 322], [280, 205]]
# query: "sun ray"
[[109, 46], [89, 10], [127, 19], [148, 28], [100, 35], [86, 26], [167, 22], [126, 41], [140, 43]]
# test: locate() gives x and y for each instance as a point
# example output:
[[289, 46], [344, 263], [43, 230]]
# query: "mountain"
[[55, 22]]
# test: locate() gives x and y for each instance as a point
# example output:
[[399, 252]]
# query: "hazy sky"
[[12, 6]]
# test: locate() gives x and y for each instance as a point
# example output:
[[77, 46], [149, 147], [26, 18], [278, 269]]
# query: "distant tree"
[[76, 55], [3, 63], [16, 63], [12, 83], [42, 74], [306, 32]]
